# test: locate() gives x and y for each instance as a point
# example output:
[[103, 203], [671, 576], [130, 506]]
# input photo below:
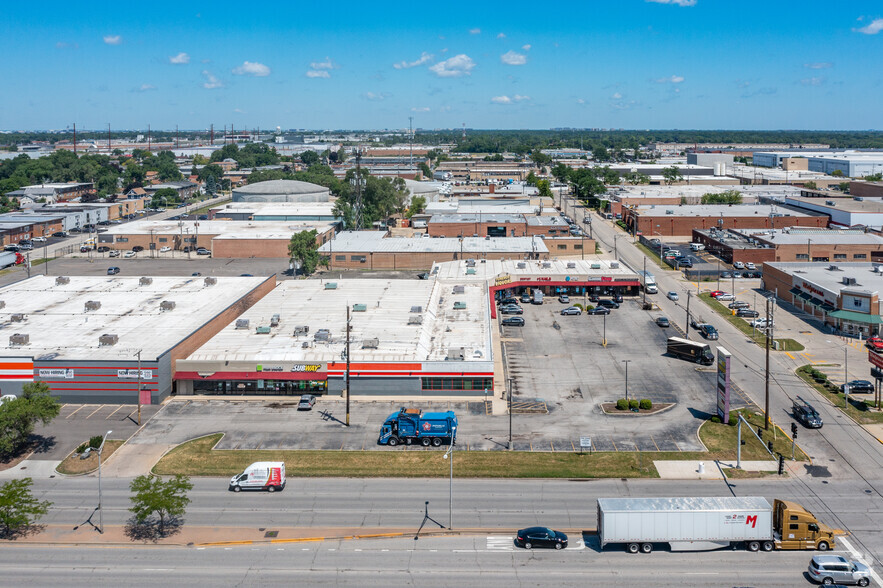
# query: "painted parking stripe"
[[114, 412], [76, 411], [100, 406], [499, 543]]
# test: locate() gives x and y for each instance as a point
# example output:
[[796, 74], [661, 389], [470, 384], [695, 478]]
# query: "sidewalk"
[[133, 459], [689, 470]]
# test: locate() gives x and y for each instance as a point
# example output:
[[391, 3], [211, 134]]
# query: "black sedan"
[[608, 303], [512, 321], [540, 537], [598, 310], [747, 313], [859, 387]]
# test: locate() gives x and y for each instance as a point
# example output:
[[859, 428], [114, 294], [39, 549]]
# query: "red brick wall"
[[671, 226]]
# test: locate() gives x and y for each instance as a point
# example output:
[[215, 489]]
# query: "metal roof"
[[377, 242], [281, 187]]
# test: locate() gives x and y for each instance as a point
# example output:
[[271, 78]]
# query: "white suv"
[[835, 569]]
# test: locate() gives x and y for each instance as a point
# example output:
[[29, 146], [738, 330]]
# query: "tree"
[[672, 175], [341, 155], [725, 197], [810, 185], [600, 153], [545, 190], [874, 178], [424, 169], [167, 500], [19, 509], [304, 251], [635, 178], [416, 206], [837, 173], [844, 187], [211, 170], [19, 417], [309, 158], [211, 185], [531, 179], [164, 197], [560, 172]]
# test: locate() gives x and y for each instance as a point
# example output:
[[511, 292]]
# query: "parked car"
[[875, 343], [608, 303], [509, 300], [59, 234], [738, 304], [202, 217], [25, 246], [564, 299], [137, 248], [203, 251], [836, 569], [512, 321], [196, 274], [737, 275], [747, 313], [684, 261], [38, 239], [726, 275], [761, 323], [594, 298], [116, 221], [750, 266], [129, 254], [738, 265], [598, 310], [672, 295], [12, 247], [525, 298], [662, 322], [858, 387], [724, 297], [511, 309], [113, 253], [103, 223], [165, 249], [571, 310], [306, 402], [716, 293], [617, 298], [112, 271], [540, 537]]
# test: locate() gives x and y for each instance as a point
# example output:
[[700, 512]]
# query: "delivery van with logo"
[[261, 475]]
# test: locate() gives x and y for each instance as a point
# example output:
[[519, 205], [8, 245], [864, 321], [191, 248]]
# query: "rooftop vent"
[[322, 335], [108, 339], [459, 289], [305, 345], [62, 281], [571, 265], [241, 323], [262, 330], [456, 354], [167, 305], [459, 306], [145, 281], [521, 265], [360, 307], [848, 281], [415, 320], [614, 264], [301, 330], [470, 271], [17, 317], [19, 339], [331, 285], [596, 266], [92, 305], [830, 203], [470, 263], [546, 265], [669, 212], [833, 268], [370, 343], [210, 281], [274, 320]]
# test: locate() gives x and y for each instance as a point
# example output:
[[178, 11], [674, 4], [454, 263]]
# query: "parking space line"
[[77, 410], [552, 445], [114, 412], [614, 444], [100, 406], [572, 446], [654, 443]]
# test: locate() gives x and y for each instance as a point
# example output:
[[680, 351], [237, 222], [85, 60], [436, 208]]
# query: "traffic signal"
[[794, 430], [781, 464]]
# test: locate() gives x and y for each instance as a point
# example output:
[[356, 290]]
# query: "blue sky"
[[634, 64]]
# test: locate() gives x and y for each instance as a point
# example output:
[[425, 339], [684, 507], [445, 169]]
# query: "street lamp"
[[449, 455], [100, 510]]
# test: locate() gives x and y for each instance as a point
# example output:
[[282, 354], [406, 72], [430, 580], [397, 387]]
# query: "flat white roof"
[[279, 208], [821, 275], [59, 327], [759, 210], [388, 309], [555, 269], [377, 242], [218, 227], [813, 236]]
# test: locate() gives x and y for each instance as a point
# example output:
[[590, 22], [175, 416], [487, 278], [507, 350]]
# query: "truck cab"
[[797, 528]]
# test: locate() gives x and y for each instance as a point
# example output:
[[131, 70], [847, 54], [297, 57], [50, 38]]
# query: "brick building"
[[672, 221], [497, 225]]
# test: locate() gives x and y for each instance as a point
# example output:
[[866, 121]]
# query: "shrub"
[[715, 419], [95, 442], [633, 403], [82, 447], [645, 404], [579, 306], [622, 404], [590, 307]]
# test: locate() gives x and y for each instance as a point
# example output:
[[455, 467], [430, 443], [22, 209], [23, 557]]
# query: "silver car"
[[835, 569]]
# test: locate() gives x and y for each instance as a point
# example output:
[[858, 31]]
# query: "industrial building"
[[274, 211], [845, 296], [88, 337], [844, 212], [851, 164], [282, 191], [669, 221]]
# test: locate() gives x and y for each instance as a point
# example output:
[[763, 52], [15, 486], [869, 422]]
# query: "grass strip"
[[74, 466], [860, 410], [741, 324]]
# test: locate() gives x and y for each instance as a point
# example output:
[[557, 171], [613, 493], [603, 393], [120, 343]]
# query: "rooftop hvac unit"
[[456, 354], [370, 343], [17, 317], [92, 305], [546, 265], [2, 304], [274, 320], [305, 345], [322, 335], [877, 268], [62, 281], [521, 265], [262, 330], [331, 285], [596, 266], [470, 271], [415, 320], [145, 281], [416, 309], [459, 289], [360, 307], [669, 212], [167, 305], [19, 339], [830, 203], [833, 268], [571, 265], [301, 330], [459, 306], [210, 281], [848, 281], [470, 263], [241, 323], [108, 339], [614, 265]]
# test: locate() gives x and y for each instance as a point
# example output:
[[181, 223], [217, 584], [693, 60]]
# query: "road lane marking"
[[500, 543], [858, 556], [579, 545], [789, 355]]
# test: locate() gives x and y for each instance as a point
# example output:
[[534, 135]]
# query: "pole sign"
[[585, 442], [723, 385]]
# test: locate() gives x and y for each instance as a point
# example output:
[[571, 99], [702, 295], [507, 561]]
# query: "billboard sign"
[[723, 385]]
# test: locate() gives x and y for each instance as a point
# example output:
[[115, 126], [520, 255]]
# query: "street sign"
[[585, 442]]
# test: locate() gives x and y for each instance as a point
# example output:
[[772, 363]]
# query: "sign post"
[[585, 443], [723, 385]]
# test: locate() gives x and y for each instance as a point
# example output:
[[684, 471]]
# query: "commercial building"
[[50, 192], [281, 191], [845, 296], [87, 337], [184, 189], [790, 174], [844, 212], [670, 221], [374, 250], [851, 164], [866, 189], [274, 211]]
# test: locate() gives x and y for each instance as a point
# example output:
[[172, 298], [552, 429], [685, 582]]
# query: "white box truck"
[[648, 282], [697, 524], [261, 475]]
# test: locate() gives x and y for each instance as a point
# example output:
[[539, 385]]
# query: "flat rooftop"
[[813, 236], [278, 208], [740, 210], [556, 269], [389, 308], [847, 204], [59, 327], [491, 217], [377, 242], [867, 280], [219, 227]]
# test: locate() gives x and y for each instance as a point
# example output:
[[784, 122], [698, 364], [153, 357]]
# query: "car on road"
[[805, 414], [608, 304], [738, 265], [738, 304], [38, 239], [708, 331], [875, 343], [672, 296], [165, 249], [246, 275], [571, 310], [511, 309], [750, 266], [512, 321], [747, 313], [129, 254], [540, 537], [836, 569], [564, 299], [306, 402], [662, 322], [112, 271], [724, 297], [116, 221], [202, 217], [196, 274], [598, 310], [858, 387]]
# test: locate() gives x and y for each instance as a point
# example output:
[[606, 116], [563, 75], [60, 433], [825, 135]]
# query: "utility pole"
[[75, 138], [687, 329], [176, 136], [509, 447], [348, 392], [645, 280], [148, 138], [766, 409], [108, 138], [139, 387], [845, 378], [410, 141], [212, 134]]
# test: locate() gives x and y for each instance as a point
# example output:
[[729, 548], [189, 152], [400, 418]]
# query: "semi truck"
[[699, 524], [692, 350], [648, 282], [8, 258], [412, 425]]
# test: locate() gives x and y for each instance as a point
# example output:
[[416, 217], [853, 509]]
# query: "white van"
[[697, 247], [261, 475]]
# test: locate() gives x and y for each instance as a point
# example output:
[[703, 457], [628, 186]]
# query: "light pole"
[[509, 447], [604, 335], [100, 510], [626, 362], [449, 455]]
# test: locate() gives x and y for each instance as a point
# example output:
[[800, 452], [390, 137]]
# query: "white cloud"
[[513, 58], [211, 82], [179, 59], [375, 97], [318, 74], [874, 27], [238, 111], [145, 88], [501, 36], [813, 81], [475, 31], [252, 68], [670, 80], [821, 65], [580, 101], [424, 58], [420, 109], [519, 97], [327, 64], [526, 47], [113, 39], [454, 67], [501, 100], [677, 2], [617, 96]]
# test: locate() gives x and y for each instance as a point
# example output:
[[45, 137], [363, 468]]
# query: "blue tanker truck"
[[411, 425]]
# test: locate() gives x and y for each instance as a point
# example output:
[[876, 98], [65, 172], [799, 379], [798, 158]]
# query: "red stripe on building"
[[253, 376]]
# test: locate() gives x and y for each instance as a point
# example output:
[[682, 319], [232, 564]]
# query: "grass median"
[[741, 324], [860, 408], [198, 458]]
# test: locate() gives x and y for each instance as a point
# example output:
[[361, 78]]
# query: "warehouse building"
[[274, 211], [844, 212], [87, 337], [670, 221], [851, 164]]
